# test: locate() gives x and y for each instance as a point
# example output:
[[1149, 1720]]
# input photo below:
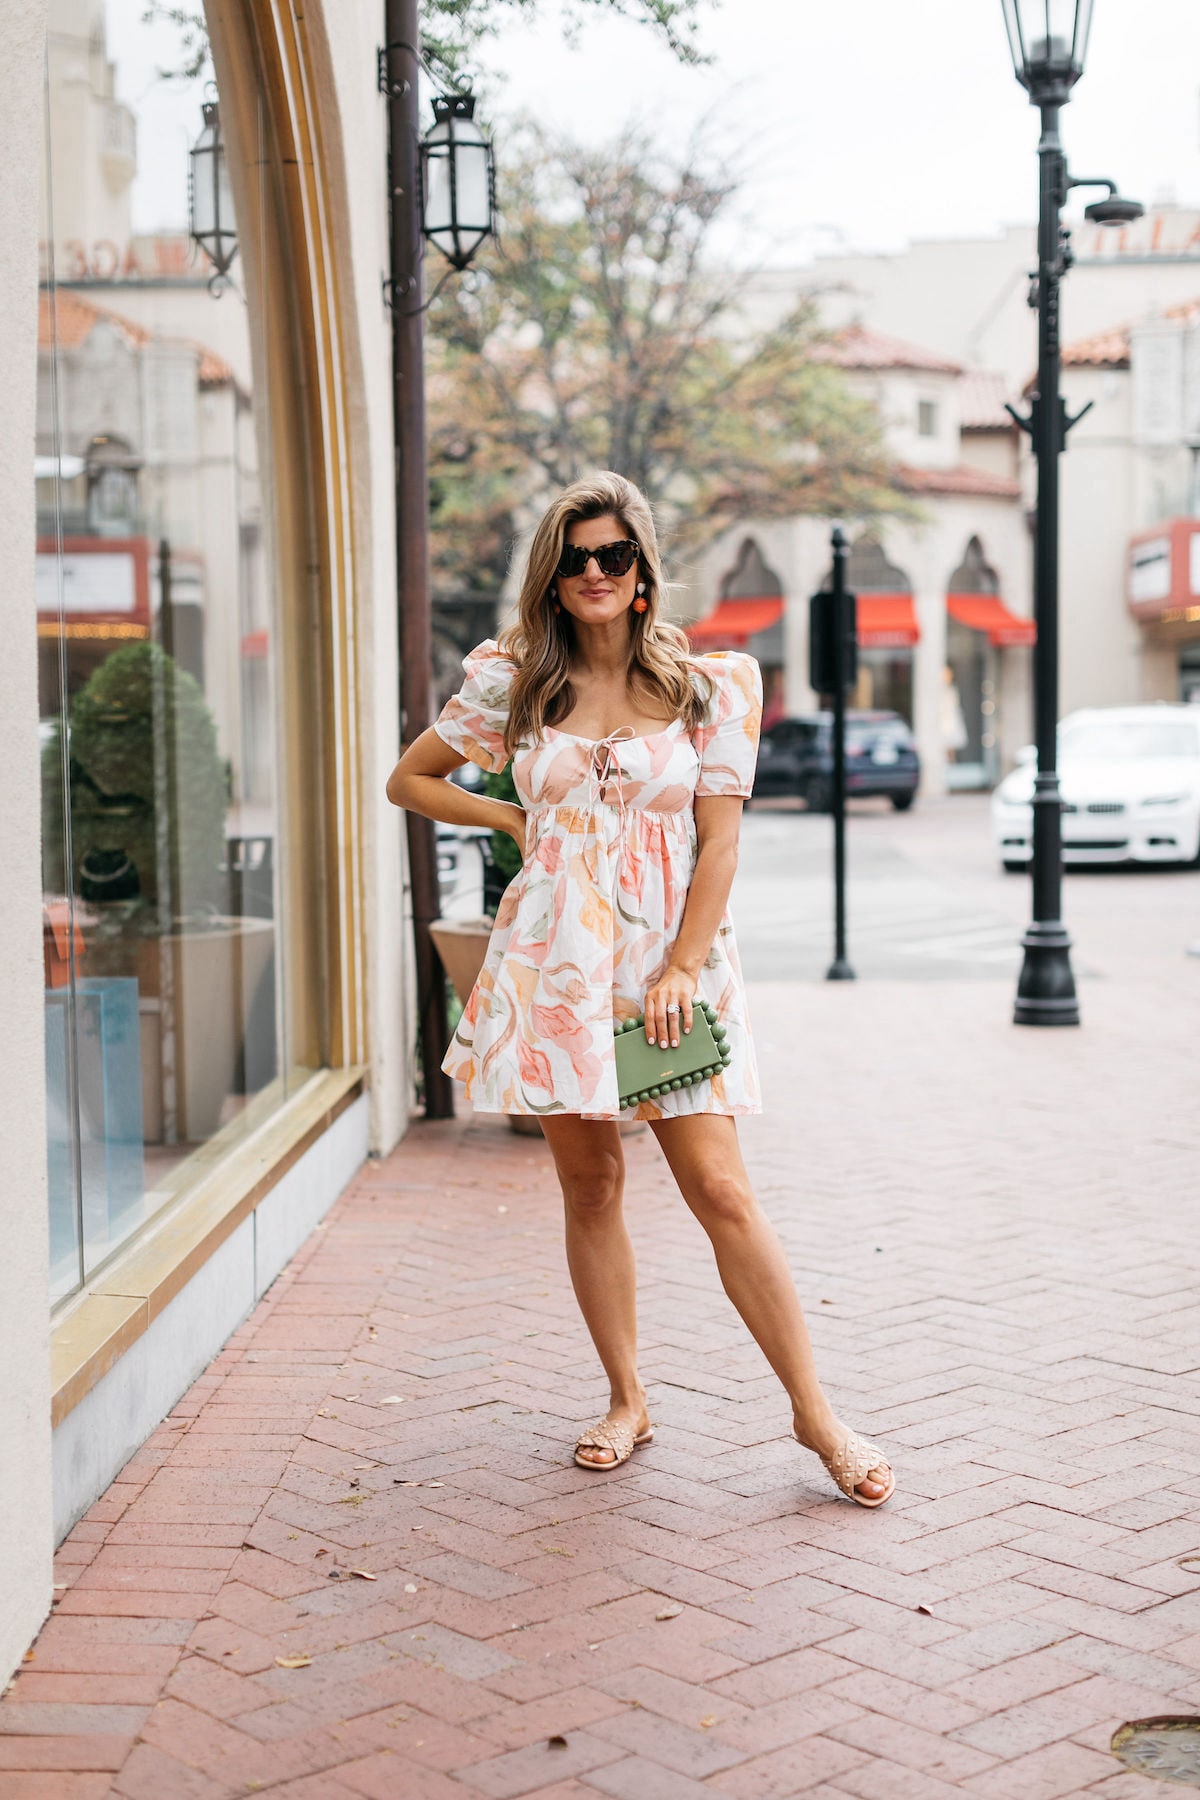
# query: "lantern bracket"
[[397, 88], [386, 84], [391, 295]]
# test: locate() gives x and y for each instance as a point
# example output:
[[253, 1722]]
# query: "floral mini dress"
[[586, 927]]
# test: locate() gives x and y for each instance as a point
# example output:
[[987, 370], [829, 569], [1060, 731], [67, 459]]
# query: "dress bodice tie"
[[604, 774], [605, 770]]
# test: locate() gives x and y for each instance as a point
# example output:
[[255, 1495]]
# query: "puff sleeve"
[[728, 739], [473, 720]]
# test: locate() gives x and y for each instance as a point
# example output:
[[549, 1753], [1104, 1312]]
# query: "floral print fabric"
[[584, 930]]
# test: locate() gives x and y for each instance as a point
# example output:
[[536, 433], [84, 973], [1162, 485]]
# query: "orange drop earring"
[[641, 603]]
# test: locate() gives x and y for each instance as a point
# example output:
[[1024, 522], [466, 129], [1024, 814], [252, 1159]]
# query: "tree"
[[599, 333], [450, 29]]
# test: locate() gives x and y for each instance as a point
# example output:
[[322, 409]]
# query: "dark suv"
[[795, 756]]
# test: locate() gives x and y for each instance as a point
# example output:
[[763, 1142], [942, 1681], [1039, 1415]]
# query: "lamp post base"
[[840, 970], [1046, 988]]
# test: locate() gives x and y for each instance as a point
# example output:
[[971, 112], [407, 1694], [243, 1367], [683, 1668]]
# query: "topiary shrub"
[[131, 770]]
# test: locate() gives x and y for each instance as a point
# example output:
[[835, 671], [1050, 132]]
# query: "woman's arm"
[[418, 783], [718, 821]]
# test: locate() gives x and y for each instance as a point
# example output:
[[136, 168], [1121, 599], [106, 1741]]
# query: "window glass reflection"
[[162, 929]]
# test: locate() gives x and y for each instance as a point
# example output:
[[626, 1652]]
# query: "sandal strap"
[[608, 1434], [852, 1461]]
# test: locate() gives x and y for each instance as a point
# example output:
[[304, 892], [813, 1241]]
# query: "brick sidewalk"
[[994, 1232]]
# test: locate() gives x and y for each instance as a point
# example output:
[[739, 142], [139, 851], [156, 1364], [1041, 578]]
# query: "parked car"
[[1130, 779], [795, 756]]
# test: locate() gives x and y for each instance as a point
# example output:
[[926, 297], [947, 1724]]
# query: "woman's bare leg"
[[591, 1172], [706, 1160]]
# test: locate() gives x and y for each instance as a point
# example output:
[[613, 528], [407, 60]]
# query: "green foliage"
[[599, 334], [451, 30], [506, 853], [194, 56], [123, 779]]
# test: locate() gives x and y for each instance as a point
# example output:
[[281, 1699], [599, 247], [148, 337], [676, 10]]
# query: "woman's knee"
[[719, 1199], [593, 1191]]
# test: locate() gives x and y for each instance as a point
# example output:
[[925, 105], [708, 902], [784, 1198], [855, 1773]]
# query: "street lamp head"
[[1048, 41], [1114, 209], [210, 197], [457, 180]]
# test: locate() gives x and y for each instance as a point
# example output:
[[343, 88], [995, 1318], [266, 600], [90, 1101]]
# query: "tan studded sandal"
[[851, 1462], [610, 1434]]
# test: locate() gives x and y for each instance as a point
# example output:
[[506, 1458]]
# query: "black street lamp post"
[[1048, 40]]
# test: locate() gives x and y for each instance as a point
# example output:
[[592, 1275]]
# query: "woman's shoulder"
[[735, 680], [489, 668], [730, 664]]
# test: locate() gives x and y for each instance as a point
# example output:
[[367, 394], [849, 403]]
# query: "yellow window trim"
[[97, 1327]]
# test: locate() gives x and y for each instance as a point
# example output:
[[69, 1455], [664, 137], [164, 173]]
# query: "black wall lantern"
[[210, 198], [458, 187]]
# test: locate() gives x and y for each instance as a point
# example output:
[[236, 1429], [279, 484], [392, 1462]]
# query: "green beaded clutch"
[[644, 1071]]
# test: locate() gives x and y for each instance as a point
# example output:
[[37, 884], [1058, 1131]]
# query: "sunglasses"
[[612, 559]]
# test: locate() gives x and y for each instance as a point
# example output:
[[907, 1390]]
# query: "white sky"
[[868, 122], [880, 120]]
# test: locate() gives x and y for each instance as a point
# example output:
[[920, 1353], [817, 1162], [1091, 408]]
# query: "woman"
[[632, 759]]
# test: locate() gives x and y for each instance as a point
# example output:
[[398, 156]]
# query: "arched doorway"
[[749, 616], [980, 630]]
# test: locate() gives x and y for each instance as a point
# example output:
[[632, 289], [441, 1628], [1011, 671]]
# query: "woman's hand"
[[668, 1005]]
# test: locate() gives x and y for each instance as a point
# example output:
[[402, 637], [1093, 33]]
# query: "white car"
[[1130, 778]]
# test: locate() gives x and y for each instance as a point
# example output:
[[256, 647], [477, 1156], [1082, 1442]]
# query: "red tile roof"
[[858, 348], [1103, 350], [1110, 349], [73, 319], [981, 397], [961, 480]]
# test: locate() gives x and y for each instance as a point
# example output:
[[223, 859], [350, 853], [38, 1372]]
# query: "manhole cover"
[[1168, 1749]]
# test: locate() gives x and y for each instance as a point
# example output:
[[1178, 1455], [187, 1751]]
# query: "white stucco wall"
[[1100, 644], [966, 297], [25, 1531]]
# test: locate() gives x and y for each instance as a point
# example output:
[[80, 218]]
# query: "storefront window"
[[966, 685], [162, 925], [980, 631], [885, 682]]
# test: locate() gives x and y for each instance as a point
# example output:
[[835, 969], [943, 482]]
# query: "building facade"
[[1132, 509], [960, 307], [205, 914], [943, 586]]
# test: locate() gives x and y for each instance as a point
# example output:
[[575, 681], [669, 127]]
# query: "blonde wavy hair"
[[541, 640]]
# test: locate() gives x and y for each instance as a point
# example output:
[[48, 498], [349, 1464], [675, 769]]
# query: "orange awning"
[[736, 621], [987, 612], [887, 622]]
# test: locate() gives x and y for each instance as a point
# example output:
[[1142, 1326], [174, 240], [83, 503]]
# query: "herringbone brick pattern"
[[358, 1561]]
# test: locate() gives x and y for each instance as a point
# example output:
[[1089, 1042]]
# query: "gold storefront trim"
[[224, 1183], [47, 628]]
